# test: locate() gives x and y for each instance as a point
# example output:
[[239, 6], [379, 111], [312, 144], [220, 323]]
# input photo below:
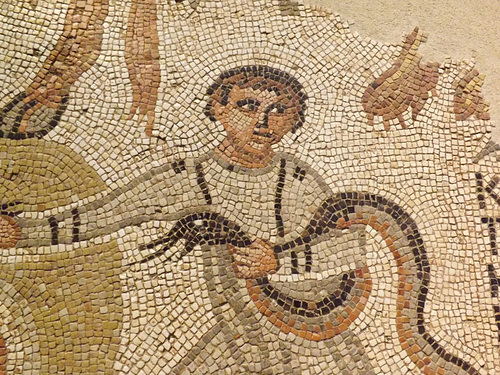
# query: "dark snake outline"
[[213, 229]]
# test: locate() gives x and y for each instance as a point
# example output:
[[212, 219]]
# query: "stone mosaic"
[[240, 187]]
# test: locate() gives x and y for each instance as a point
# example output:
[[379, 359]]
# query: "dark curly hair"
[[248, 76]]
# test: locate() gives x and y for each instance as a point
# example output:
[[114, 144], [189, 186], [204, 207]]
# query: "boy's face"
[[255, 119]]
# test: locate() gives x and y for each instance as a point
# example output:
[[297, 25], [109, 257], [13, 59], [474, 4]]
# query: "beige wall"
[[456, 28]]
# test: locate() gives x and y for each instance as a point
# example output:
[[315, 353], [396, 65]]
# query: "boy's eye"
[[277, 109], [248, 104]]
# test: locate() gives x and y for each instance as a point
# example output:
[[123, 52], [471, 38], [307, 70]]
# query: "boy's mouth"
[[260, 134]]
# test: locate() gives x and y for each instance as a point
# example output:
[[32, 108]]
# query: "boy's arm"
[[159, 194]]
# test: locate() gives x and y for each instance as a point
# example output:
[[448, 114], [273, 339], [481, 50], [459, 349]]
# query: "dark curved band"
[[213, 229], [14, 132]]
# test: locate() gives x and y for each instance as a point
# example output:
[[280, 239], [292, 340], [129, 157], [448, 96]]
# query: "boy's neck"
[[248, 157]]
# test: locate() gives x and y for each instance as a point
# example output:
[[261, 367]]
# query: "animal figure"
[[407, 83], [468, 99]]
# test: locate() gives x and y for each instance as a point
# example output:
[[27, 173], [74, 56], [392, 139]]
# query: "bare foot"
[[38, 110], [143, 60], [31, 116]]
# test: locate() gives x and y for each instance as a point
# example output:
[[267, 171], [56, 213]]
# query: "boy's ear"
[[218, 109]]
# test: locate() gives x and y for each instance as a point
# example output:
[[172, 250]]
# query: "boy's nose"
[[263, 119]]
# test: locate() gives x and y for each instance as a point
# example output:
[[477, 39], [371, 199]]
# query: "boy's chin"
[[257, 145]]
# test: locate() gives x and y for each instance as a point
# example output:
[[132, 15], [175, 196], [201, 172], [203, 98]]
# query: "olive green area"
[[76, 305], [43, 174], [74, 296]]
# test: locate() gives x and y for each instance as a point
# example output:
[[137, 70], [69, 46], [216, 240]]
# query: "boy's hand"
[[254, 261], [10, 232]]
